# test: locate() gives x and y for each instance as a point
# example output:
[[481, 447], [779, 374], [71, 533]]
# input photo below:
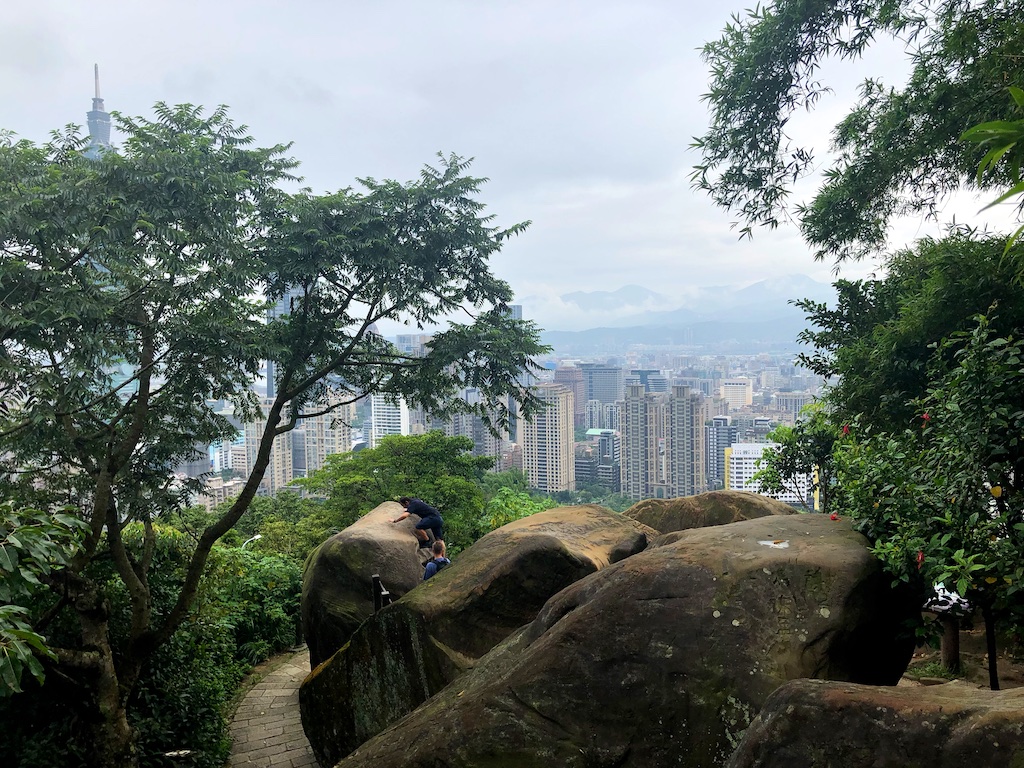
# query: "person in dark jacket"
[[437, 562], [430, 519]]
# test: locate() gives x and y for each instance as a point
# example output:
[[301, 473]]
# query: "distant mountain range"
[[720, 319]]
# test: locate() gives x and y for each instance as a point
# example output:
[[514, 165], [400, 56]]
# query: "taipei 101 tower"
[[99, 122]]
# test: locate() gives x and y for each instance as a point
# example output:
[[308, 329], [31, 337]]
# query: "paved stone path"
[[266, 731]]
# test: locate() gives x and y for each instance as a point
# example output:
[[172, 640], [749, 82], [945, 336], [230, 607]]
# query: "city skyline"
[[580, 114]]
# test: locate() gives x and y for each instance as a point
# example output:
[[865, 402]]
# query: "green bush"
[[247, 610]]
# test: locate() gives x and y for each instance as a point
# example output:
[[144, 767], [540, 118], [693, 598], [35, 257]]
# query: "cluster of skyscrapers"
[[645, 432]]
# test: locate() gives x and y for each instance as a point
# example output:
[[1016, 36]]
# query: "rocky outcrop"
[[711, 508], [820, 724], [336, 587], [666, 657], [412, 649]]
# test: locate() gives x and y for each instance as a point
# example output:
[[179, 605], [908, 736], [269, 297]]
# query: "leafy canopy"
[[942, 499], [880, 342], [438, 469], [134, 290], [896, 152]]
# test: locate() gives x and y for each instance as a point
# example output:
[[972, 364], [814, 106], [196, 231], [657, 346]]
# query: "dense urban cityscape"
[[305, 465], [692, 424]]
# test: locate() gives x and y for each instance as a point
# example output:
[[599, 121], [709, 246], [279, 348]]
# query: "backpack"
[[439, 565]]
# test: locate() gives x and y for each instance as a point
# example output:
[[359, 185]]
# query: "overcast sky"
[[580, 113]]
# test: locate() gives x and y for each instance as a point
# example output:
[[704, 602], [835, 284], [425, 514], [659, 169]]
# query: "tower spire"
[[99, 121]]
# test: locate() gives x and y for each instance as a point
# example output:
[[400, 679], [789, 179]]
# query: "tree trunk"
[[990, 642], [950, 649], [113, 737]]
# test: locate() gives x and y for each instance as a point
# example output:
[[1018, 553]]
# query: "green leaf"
[[8, 558]]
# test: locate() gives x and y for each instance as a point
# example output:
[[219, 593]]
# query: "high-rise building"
[[414, 344], [471, 425], [611, 416], [687, 460], [230, 455], [751, 428], [609, 459], [639, 446], [719, 434], [327, 433], [663, 452], [281, 308], [387, 418], [792, 402], [98, 120], [652, 380], [602, 382], [739, 393], [593, 415], [547, 441], [280, 471], [298, 452], [572, 378], [741, 466]]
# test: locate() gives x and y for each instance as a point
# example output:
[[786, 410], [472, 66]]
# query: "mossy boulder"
[[410, 650], [337, 591], [666, 657], [702, 510], [819, 724]]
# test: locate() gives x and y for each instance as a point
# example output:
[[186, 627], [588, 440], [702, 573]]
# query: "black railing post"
[[378, 588]]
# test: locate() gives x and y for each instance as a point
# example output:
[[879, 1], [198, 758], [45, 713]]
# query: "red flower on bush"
[[920, 559], [846, 429], [925, 418]]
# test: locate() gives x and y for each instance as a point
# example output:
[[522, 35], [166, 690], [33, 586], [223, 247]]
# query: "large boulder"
[[666, 657], [702, 510], [337, 594], [410, 650], [819, 724]]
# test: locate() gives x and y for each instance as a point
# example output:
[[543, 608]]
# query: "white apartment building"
[[547, 441], [328, 433], [388, 418], [594, 414], [741, 465], [792, 402], [229, 454], [738, 393], [218, 491]]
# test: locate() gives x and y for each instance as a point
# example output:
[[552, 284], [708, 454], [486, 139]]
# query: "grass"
[[932, 668]]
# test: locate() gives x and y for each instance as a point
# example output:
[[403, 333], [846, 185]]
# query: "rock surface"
[[820, 724], [665, 658], [711, 508], [336, 588], [412, 649]]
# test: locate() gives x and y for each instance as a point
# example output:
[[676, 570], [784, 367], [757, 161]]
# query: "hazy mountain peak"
[[635, 296]]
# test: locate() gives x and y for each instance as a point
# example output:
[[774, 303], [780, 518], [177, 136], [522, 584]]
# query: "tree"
[[942, 500], [440, 470], [879, 343], [135, 290], [896, 152], [493, 482], [1005, 143], [509, 505], [32, 544], [805, 449]]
